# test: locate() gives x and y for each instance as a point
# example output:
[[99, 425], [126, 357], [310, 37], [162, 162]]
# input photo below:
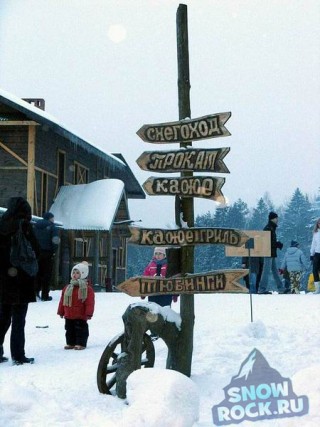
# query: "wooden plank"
[[219, 281], [184, 160], [13, 154], [187, 236], [210, 126], [202, 186], [262, 245], [18, 123]]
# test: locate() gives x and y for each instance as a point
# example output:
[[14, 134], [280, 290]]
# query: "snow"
[[69, 205], [60, 389], [166, 312]]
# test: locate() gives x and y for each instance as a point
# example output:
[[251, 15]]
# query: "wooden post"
[[31, 165], [95, 278], [186, 208]]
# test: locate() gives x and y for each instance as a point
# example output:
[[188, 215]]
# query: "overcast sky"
[[107, 67]]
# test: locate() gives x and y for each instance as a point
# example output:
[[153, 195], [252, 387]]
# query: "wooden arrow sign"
[[201, 186], [187, 236], [185, 160], [219, 281], [211, 126]]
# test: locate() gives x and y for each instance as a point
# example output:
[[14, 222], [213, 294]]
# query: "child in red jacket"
[[76, 306]]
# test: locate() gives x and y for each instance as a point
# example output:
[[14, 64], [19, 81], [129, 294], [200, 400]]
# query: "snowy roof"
[[88, 206], [43, 117], [117, 164]]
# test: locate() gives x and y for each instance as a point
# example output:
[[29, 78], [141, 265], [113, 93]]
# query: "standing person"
[[294, 262], [48, 238], [77, 306], [253, 279], [158, 267], [16, 286], [315, 255], [269, 263]]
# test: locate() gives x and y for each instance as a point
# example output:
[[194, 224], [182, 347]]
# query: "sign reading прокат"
[[258, 392]]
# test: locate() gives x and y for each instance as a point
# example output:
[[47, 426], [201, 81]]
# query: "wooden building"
[[39, 159]]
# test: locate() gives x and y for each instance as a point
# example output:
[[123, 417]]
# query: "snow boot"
[[317, 287]]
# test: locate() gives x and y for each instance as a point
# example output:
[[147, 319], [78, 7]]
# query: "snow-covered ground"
[[60, 388]]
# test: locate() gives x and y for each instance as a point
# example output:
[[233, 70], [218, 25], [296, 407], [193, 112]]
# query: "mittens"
[[175, 298]]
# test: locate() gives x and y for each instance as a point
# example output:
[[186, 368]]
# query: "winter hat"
[[294, 244], [48, 215], [160, 251], [272, 215], [83, 267]]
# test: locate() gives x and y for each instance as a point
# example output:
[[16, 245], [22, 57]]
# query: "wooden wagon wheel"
[[108, 362]]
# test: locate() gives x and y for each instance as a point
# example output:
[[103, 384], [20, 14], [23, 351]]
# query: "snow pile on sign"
[[161, 397]]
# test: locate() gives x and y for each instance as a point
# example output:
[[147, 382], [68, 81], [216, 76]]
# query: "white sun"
[[117, 33]]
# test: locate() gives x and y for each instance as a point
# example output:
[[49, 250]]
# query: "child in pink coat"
[[157, 267], [77, 306]]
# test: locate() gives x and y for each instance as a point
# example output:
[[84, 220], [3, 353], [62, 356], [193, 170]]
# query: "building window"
[[81, 247], [81, 174], [61, 168], [44, 193], [121, 254]]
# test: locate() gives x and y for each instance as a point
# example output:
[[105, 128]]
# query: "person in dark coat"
[[16, 286], [252, 280], [269, 263], [48, 237]]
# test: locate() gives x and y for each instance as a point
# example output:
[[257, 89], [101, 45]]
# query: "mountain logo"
[[258, 392]]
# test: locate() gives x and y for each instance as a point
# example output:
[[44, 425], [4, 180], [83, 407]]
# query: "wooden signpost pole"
[[186, 205]]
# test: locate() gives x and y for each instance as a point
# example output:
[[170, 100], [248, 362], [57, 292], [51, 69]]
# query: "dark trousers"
[[14, 315], [77, 332], [316, 266], [162, 300], [45, 262]]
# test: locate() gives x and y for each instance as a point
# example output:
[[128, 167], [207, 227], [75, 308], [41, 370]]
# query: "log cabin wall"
[[37, 157], [60, 162], [13, 164]]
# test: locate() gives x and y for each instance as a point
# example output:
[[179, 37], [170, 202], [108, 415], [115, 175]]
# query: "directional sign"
[[219, 281], [211, 126], [187, 236], [201, 186], [185, 160]]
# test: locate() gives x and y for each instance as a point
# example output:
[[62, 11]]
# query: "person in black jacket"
[[48, 237], [252, 280], [16, 286], [269, 263]]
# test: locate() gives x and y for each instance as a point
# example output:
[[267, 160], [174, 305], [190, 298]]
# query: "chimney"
[[36, 102]]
